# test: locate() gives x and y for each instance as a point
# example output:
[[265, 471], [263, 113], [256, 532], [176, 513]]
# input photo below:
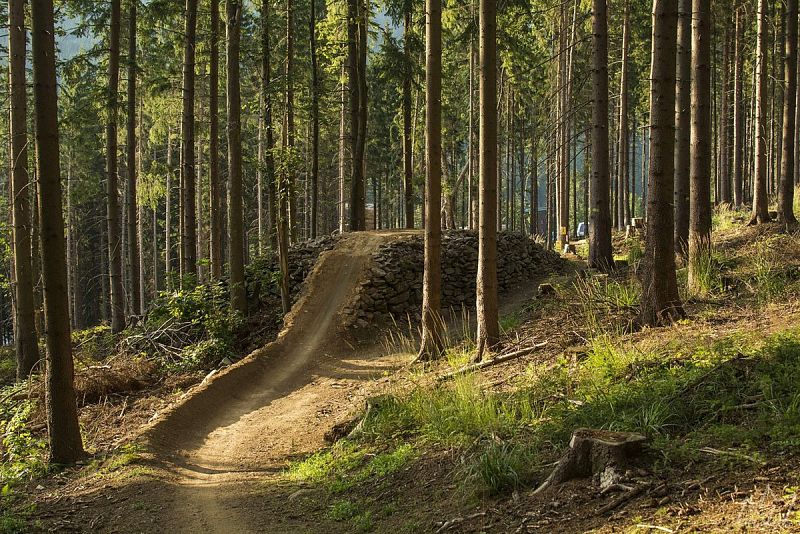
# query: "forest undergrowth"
[[121, 380], [715, 393]]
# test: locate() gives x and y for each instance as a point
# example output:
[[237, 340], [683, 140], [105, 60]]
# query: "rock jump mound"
[[224, 408]]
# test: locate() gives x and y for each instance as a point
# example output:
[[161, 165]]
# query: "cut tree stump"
[[594, 451]]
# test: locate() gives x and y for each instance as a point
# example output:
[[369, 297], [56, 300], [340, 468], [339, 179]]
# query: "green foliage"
[[8, 366], [706, 270], [725, 217], [343, 510], [196, 305], [96, 342], [335, 462], [263, 277], [346, 464], [23, 452], [203, 354], [635, 251], [353, 512], [509, 322], [498, 467], [208, 326], [601, 295], [15, 521], [739, 393]]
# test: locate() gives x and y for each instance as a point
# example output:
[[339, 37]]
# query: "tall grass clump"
[[635, 251], [704, 270], [600, 296], [769, 279], [725, 217]]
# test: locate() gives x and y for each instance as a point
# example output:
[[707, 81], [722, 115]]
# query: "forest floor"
[[246, 450]]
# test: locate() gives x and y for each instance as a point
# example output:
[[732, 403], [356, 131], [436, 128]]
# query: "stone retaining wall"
[[393, 287]]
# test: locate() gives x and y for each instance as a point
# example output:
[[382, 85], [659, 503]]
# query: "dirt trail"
[[216, 448]]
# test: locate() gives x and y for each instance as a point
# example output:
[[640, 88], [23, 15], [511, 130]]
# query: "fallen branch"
[[622, 499], [455, 521], [654, 527], [488, 363], [732, 454]]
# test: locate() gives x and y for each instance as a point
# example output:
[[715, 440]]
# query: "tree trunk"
[[215, 188], [487, 308], [168, 215], [62, 414], [356, 46], [285, 189], [600, 253], [739, 121], [134, 259], [786, 190], [683, 127], [660, 302], [233, 12], [189, 223], [25, 338], [534, 189], [725, 127], [408, 172], [114, 232], [700, 173], [269, 159], [760, 199], [342, 153], [622, 169], [313, 223], [289, 171]]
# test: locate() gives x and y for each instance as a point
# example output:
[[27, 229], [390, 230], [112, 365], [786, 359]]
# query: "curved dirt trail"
[[231, 433]]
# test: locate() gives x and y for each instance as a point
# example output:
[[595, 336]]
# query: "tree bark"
[[725, 120], [233, 12], [739, 121], [215, 187], [269, 159], [408, 171], [660, 303], [25, 338], [622, 154], [700, 173], [62, 415], [683, 121], [189, 222], [432, 345], [314, 123], [600, 253], [786, 189], [343, 152], [112, 176], [488, 335], [356, 60], [760, 199], [534, 189], [134, 259]]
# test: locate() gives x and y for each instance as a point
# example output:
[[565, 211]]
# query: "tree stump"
[[594, 451]]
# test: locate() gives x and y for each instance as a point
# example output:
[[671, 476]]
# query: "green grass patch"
[[16, 520], [346, 464], [770, 278], [354, 513], [740, 393], [510, 322]]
